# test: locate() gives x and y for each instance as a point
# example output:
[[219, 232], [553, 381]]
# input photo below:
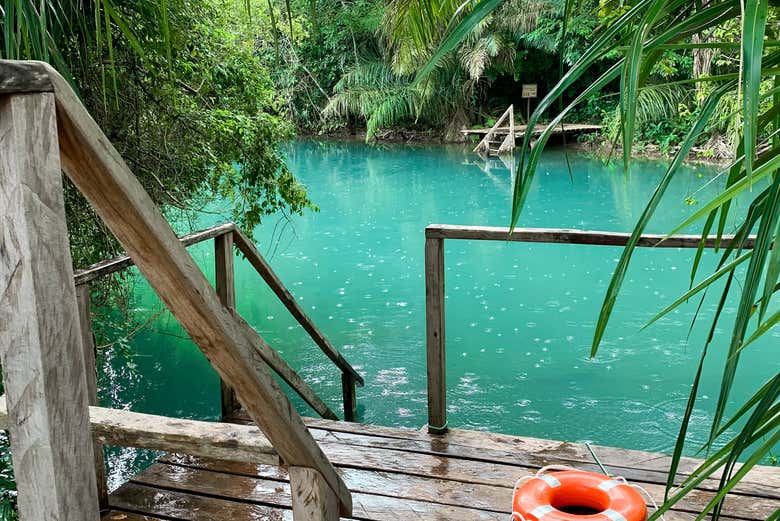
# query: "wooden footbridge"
[[502, 137], [263, 461]]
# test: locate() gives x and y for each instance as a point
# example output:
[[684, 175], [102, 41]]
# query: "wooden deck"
[[404, 474], [569, 128]]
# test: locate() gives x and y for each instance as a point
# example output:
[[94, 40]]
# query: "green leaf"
[[616, 282], [704, 284], [753, 29]]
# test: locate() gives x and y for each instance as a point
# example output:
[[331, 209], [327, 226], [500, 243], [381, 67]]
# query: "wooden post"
[[226, 290], [348, 392], [235, 350], [312, 498], [90, 370], [40, 337], [434, 320]]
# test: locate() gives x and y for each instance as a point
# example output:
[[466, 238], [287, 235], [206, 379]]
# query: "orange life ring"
[[576, 495]]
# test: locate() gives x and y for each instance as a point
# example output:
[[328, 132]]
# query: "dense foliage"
[[180, 89]]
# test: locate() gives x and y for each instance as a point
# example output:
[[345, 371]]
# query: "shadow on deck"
[[404, 474]]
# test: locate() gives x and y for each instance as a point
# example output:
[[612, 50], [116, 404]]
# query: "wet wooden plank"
[[636, 465], [433, 479], [277, 493], [530, 459], [181, 506], [116, 515], [40, 336], [563, 236], [431, 490]]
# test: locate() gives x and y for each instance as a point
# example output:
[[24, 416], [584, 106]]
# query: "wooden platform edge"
[[225, 441]]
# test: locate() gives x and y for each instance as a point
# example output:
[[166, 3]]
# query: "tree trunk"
[[454, 125]]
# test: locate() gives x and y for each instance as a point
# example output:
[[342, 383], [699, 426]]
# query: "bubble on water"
[[523, 403], [339, 305], [270, 317], [401, 304], [569, 338], [473, 324]]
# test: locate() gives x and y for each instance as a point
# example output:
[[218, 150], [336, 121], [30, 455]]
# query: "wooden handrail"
[[98, 171], [484, 144], [109, 266], [247, 247], [261, 266], [435, 234], [564, 236]]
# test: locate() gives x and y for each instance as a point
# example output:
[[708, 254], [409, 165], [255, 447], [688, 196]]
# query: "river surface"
[[519, 317]]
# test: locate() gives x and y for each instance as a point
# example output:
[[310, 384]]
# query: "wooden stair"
[[503, 137]]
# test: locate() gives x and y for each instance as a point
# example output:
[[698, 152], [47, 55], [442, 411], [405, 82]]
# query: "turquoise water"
[[520, 317]]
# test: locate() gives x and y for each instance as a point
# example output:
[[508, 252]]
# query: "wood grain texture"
[[312, 498], [90, 370], [378, 476], [259, 491], [226, 441], [563, 236], [18, 77], [435, 342], [173, 505], [40, 337], [99, 172], [122, 262], [225, 284], [264, 269], [635, 465]]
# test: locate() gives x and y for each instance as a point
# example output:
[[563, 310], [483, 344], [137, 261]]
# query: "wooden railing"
[[225, 236], [508, 143], [435, 234], [45, 130]]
